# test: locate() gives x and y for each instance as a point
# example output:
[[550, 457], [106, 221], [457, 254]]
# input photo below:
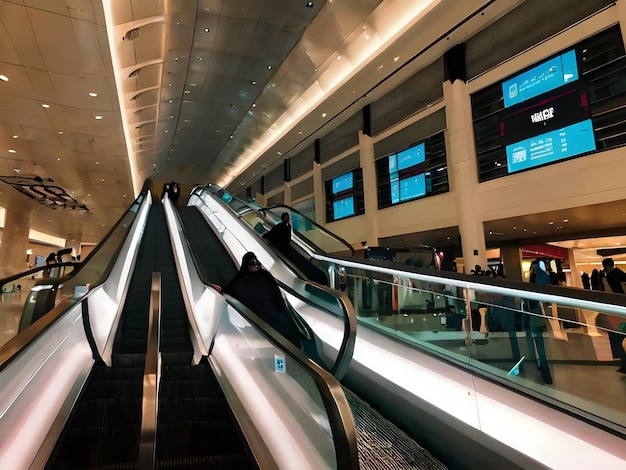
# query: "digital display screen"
[[408, 188], [551, 146], [342, 182], [343, 207], [411, 156], [547, 76]]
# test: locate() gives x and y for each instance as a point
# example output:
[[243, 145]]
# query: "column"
[[17, 220], [511, 257], [320, 197], [366, 153], [463, 173], [74, 244]]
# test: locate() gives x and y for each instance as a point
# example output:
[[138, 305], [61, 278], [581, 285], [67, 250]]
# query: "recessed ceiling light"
[[93, 94], [396, 59], [45, 105], [269, 67], [206, 30], [566, 220], [323, 115], [310, 4], [253, 82], [61, 132], [254, 105], [58, 159], [200, 58], [551, 223], [98, 117], [12, 151], [176, 59], [15, 136], [4, 78]]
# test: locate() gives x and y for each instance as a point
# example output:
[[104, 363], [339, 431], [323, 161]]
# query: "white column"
[[366, 153], [463, 173]]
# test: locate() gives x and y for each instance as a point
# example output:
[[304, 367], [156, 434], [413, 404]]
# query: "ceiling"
[[203, 91]]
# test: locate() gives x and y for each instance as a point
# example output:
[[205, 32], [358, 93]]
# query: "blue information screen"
[[343, 207], [342, 182], [552, 146], [408, 188], [547, 76], [411, 156]]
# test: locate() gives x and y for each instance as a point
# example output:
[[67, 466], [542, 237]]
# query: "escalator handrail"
[[331, 391], [11, 349], [346, 350], [312, 222], [349, 338], [607, 302], [260, 212]]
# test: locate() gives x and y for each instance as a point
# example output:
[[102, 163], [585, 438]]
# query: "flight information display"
[[342, 182], [410, 157], [552, 146], [343, 208], [545, 77], [408, 188]]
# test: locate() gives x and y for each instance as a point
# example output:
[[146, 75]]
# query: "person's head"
[[250, 263], [608, 264], [284, 217]]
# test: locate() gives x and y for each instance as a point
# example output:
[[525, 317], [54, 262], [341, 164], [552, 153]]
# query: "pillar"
[[320, 197], [17, 220], [370, 190], [74, 244], [463, 173], [511, 257]]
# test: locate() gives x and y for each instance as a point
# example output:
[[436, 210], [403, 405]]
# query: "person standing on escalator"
[[257, 289], [280, 235]]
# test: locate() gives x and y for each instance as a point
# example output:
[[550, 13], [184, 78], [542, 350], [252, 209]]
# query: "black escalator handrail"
[[315, 224], [259, 211], [335, 402], [38, 269], [346, 350], [11, 349]]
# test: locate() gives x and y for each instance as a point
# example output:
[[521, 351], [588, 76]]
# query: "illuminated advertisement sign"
[[408, 188], [545, 77], [342, 182], [343, 207], [546, 117], [551, 147]]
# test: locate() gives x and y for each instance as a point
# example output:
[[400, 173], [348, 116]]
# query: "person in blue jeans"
[[535, 322]]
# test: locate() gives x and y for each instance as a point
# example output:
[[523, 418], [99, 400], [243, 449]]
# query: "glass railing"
[[564, 344]]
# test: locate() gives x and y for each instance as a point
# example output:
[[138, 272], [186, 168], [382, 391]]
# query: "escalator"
[[378, 439], [194, 429]]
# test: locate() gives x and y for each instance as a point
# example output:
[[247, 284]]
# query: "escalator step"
[[205, 462]]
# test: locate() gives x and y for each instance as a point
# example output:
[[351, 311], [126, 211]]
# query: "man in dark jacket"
[[257, 289], [280, 234], [614, 278]]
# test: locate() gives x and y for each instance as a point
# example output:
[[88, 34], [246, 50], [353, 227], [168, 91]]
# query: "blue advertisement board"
[[411, 156], [408, 188], [547, 76], [342, 182], [343, 207]]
